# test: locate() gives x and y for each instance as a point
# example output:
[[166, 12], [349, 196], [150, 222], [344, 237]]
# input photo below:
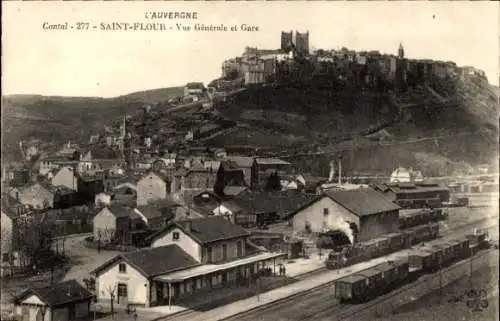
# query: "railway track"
[[342, 312], [293, 307]]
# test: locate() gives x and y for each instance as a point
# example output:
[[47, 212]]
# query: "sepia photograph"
[[250, 161]]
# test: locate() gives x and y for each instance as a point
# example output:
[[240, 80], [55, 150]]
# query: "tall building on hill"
[[401, 69], [301, 42], [123, 134], [286, 41]]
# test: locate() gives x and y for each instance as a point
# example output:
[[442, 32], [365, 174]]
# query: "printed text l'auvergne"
[[171, 15]]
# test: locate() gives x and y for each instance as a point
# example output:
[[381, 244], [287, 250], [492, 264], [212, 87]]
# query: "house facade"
[[360, 214], [66, 301], [65, 177], [153, 186], [14, 217], [262, 168], [37, 196], [186, 259], [115, 223]]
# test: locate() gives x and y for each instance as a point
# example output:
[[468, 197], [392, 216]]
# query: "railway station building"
[[185, 259], [363, 213]]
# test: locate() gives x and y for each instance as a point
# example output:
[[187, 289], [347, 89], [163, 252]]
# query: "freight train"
[[419, 217], [406, 267], [384, 245]]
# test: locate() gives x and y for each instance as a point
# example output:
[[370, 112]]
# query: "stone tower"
[[302, 43], [286, 41], [401, 69]]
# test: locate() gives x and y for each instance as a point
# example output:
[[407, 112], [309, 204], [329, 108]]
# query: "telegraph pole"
[[440, 281], [470, 276]]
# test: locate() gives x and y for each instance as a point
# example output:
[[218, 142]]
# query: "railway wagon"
[[373, 281], [394, 273], [459, 248], [396, 241], [420, 217], [419, 203], [430, 259], [421, 233], [349, 288], [447, 253]]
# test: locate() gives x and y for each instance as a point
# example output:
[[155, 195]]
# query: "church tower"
[[123, 135], [401, 69], [401, 51]]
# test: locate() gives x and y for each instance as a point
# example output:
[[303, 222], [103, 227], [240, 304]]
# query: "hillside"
[[438, 125], [59, 119]]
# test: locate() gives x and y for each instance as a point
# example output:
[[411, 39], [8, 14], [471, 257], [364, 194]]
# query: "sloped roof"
[[241, 161], [101, 152], [234, 190], [121, 211], [230, 205], [271, 161], [158, 209], [256, 203], [58, 294], [154, 261], [207, 230], [362, 202]]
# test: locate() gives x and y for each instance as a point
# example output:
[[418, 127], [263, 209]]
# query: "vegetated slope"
[[310, 112], [59, 119], [155, 96], [455, 121]]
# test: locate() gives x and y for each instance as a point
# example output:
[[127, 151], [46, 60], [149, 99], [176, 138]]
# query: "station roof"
[[211, 268]]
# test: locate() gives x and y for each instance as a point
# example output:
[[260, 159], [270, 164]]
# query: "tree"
[[220, 182], [6, 242], [111, 290]]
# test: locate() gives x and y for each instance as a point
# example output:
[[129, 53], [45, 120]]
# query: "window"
[[239, 249], [175, 236], [5, 257], [326, 211], [224, 252], [209, 255], [122, 290], [122, 268]]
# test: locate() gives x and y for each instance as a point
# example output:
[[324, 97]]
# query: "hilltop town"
[[288, 155]]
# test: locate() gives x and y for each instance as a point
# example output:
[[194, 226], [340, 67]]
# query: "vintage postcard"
[[249, 160]]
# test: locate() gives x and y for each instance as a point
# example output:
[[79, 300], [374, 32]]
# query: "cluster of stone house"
[[260, 66]]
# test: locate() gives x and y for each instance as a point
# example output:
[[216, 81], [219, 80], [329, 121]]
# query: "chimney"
[[187, 226], [332, 171]]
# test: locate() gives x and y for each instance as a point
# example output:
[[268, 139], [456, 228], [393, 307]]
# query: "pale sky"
[[112, 63]]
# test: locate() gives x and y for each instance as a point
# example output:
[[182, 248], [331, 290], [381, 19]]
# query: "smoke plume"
[[333, 223], [332, 171]]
